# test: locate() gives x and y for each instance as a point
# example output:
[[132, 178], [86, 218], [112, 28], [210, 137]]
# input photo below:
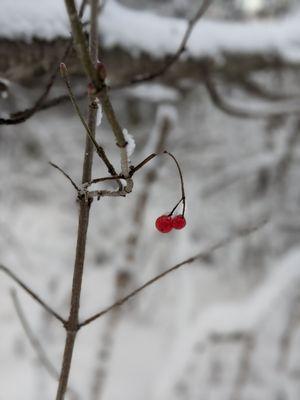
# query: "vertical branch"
[[88, 61], [84, 207]]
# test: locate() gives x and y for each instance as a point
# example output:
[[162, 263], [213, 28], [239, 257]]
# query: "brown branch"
[[66, 175], [98, 82], [84, 203], [240, 232], [31, 293], [254, 88], [148, 76], [41, 104], [99, 149], [22, 116]]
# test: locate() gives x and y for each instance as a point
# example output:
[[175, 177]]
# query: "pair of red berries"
[[165, 223]]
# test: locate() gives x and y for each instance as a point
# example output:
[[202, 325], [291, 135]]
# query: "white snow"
[[154, 92], [139, 31], [99, 114], [130, 143], [234, 317]]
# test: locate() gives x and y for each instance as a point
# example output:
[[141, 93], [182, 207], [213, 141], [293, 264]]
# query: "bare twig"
[[24, 115], [181, 183], [174, 57], [240, 232], [65, 174], [31, 293], [84, 206], [99, 149]]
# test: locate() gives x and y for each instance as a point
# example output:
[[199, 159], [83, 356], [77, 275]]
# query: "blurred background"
[[223, 328]]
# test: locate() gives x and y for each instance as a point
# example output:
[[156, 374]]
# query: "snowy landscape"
[[223, 327]]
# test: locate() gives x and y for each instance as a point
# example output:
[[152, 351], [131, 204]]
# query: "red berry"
[[178, 222], [164, 224]]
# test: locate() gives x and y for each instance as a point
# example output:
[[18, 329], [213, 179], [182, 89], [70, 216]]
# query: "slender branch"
[[41, 104], [66, 175], [31, 293], [181, 184], [98, 82], [24, 115], [254, 88], [238, 233], [84, 204], [174, 57], [99, 149]]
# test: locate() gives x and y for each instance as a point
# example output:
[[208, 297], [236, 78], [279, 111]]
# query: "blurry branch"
[[31, 293], [254, 88], [243, 370], [272, 164], [211, 248], [286, 340], [41, 103], [236, 111], [22, 116], [191, 23], [35, 343], [247, 343], [41, 354], [289, 147]]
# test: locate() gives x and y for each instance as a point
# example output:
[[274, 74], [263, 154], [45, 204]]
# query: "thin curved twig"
[[31, 293], [66, 175], [99, 149], [240, 232], [148, 76]]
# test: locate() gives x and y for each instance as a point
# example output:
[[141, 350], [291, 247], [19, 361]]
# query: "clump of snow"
[[130, 143], [99, 115]]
